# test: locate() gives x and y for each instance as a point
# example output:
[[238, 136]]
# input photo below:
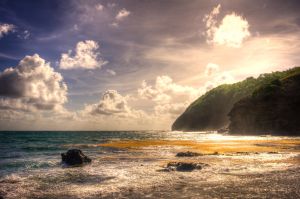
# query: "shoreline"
[[135, 167]]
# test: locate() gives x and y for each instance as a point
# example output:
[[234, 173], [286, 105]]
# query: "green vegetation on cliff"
[[210, 111], [273, 108]]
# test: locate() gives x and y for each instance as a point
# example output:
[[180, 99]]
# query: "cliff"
[[273, 109], [210, 111]]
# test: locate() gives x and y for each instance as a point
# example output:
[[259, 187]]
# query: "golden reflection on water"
[[219, 145]]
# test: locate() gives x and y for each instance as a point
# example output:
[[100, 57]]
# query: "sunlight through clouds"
[[150, 53], [211, 68], [231, 32]]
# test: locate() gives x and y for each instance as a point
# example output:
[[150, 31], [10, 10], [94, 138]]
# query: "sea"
[[30, 166]]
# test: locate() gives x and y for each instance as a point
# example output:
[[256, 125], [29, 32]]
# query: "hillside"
[[210, 111], [273, 108]]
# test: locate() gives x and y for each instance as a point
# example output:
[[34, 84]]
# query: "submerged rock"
[[188, 154], [184, 166], [74, 157], [223, 130]]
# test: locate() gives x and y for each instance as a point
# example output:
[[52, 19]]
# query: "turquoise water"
[[30, 167], [33, 150]]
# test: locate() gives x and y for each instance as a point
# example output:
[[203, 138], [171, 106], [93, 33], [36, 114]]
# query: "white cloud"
[[99, 7], [210, 20], [220, 78], [231, 32], [122, 14], [24, 35], [164, 88], [111, 5], [113, 112], [111, 72], [6, 28], [211, 68], [111, 103], [169, 97], [115, 24], [86, 56], [75, 27], [32, 85], [172, 110]]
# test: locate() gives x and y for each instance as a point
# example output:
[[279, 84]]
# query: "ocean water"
[[30, 167]]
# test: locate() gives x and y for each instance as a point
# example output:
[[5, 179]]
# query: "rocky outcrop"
[[272, 109], [74, 157], [210, 111], [184, 166], [247, 112], [188, 154]]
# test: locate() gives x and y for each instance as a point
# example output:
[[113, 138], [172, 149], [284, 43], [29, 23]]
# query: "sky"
[[132, 64]]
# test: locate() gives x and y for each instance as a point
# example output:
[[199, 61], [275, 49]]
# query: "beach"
[[132, 164]]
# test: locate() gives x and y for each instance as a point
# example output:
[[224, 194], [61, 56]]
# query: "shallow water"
[[30, 167]]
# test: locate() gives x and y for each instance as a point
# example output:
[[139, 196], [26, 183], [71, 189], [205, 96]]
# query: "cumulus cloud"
[[220, 78], [211, 68], [210, 20], [169, 97], [32, 85], [122, 14], [111, 72], [86, 56], [6, 28], [231, 32], [111, 104], [164, 88], [99, 7], [170, 109]]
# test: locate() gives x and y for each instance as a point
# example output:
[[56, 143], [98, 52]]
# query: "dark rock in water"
[[273, 152], [74, 157], [223, 130], [188, 154], [184, 166], [242, 153]]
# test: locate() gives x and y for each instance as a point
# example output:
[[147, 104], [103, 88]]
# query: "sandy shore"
[[258, 167]]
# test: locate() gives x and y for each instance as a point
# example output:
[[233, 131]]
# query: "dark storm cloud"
[[11, 84]]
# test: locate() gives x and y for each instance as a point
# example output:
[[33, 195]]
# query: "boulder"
[[188, 154], [74, 157], [184, 166], [223, 130]]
